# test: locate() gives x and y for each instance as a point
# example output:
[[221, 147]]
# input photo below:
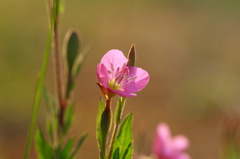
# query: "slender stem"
[[38, 94], [58, 71], [118, 115], [108, 103], [57, 63], [113, 140], [40, 85]]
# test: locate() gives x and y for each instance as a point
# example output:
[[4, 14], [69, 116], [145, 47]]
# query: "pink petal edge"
[[102, 75], [180, 142], [123, 93], [114, 58], [139, 83]]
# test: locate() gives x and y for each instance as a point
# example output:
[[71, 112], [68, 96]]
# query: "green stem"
[[40, 86], [118, 115], [115, 130], [57, 57], [38, 95]]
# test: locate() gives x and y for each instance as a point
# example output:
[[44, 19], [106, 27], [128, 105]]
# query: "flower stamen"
[[112, 67], [114, 85]]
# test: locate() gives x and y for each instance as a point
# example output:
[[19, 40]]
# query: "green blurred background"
[[190, 48]]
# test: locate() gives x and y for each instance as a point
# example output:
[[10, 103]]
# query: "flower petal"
[[115, 59], [162, 140], [102, 75], [180, 143], [137, 84], [123, 93]]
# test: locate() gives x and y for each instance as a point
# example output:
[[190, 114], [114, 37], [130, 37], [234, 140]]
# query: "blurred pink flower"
[[116, 77], [168, 147]]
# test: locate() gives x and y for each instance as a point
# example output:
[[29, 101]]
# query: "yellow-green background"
[[190, 48]]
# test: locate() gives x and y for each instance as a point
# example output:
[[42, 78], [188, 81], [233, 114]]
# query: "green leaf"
[[44, 150], [116, 154], [101, 156], [79, 144], [132, 56], [68, 148], [60, 153], [50, 102], [79, 62], [66, 151], [128, 153], [124, 138], [119, 110], [50, 130], [68, 118], [70, 52], [71, 47], [71, 85], [47, 99]]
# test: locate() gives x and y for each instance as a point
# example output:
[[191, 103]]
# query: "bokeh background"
[[190, 49]]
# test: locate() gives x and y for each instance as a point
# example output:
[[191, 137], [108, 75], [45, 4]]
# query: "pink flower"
[[168, 147], [116, 77]]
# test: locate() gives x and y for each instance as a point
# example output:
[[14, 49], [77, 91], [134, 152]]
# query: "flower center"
[[119, 77], [113, 85]]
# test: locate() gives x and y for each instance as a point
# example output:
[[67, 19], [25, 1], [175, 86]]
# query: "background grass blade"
[[41, 80], [38, 95]]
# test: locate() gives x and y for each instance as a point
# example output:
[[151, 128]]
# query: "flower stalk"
[[118, 115], [115, 130], [57, 61]]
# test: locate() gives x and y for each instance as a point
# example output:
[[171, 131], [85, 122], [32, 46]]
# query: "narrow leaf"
[[101, 156], [79, 144], [60, 153], [50, 103], [71, 47], [39, 143], [119, 110], [68, 118], [124, 137], [47, 99], [70, 52], [50, 130], [44, 150], [128, 152], [116, 154], [79, 62], [68, 148], [39, 90]]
